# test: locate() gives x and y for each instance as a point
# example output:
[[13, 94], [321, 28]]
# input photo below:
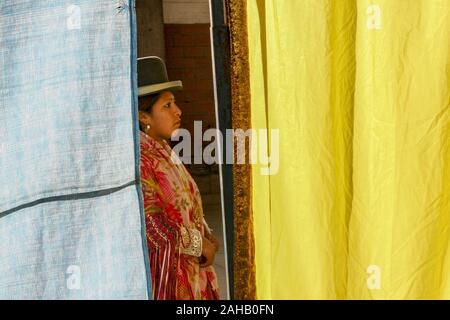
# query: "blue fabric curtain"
[[71, 217]]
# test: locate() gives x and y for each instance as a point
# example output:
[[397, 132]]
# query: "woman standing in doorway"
[[181, 246]]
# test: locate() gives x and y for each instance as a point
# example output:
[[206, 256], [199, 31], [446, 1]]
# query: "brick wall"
[[188, 58]]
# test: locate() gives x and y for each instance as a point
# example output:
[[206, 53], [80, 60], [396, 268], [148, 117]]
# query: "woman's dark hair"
[[146, 103]]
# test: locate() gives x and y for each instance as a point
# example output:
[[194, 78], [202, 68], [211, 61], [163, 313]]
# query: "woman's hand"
[[213, 240], [208, 253]]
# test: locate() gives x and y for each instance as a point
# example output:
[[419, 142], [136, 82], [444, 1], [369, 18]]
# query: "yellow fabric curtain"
[[359, 90]]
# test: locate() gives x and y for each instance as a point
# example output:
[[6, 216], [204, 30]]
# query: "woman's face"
[[164, 118]]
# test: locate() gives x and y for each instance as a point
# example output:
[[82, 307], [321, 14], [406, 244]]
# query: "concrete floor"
[[209, 187], [213, 216]]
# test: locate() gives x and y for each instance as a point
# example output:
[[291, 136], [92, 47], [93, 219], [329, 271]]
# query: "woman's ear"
[[144, 117], [141, 115]]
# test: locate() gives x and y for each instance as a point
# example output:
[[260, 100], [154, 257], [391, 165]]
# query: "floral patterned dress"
[[175, 226]]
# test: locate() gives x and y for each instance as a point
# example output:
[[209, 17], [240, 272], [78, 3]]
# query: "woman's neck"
[[157, 138]]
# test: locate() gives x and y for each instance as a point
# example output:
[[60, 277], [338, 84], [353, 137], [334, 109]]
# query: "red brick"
[[190, 29], [207, 106], [169, 42], [197, 52], [202, 39], [189, 75], [205, 84], [169, 26], [175, 52], [182, 40], [203, 63], [202, 74], [188, 51], [195, 95], [175, 73], [206, 94], [182, 63], [182, 101]]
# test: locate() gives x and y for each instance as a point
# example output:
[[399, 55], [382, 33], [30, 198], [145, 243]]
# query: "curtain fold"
[[360, 93]]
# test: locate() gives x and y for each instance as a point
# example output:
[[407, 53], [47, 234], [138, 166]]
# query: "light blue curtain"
[[71, 217]]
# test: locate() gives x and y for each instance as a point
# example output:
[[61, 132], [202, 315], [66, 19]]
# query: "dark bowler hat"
[[152, 77]]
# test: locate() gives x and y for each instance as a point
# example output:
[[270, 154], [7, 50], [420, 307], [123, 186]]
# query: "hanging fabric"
[[71, 216], [359, 91]]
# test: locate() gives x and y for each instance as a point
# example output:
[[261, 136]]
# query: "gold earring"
[[147, 128]]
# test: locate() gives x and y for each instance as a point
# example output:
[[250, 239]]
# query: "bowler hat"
[[152, 77]]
